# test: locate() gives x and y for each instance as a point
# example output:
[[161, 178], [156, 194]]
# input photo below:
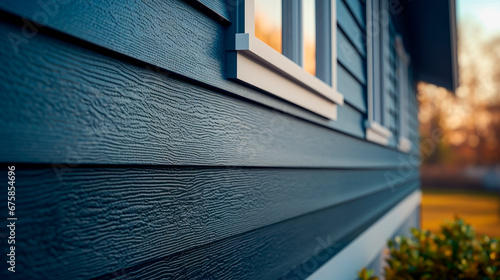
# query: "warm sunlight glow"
[[480, 210], [309, 35], [268, 22], [485, 12]]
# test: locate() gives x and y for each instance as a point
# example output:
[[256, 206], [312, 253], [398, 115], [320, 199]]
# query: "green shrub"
[[454, 253]]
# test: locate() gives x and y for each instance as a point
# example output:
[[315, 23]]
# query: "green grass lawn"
[[481, 209]]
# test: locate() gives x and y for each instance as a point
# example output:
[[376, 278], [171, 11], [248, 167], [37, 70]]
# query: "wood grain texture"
[[67, 104], [96, 220], [215, 9], [169, 34], [292, 249], [69, 101]]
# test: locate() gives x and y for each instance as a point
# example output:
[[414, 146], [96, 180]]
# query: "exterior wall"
[[369, 248], [390, 97], [351, 66], [137, 157]]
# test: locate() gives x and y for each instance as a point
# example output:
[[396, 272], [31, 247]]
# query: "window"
[[268, 22], [388, 80], [378, 20], [286, 47]]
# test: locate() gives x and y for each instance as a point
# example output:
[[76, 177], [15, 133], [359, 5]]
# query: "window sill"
[[375, 132], [404, 144], [255, 63]]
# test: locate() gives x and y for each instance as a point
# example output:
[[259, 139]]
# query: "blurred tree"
[[470, 120]]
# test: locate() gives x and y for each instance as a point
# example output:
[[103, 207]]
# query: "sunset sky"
[[485, 12]]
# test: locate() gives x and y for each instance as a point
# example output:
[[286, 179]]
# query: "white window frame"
[[259, 65], [377, 30], [404, 93]]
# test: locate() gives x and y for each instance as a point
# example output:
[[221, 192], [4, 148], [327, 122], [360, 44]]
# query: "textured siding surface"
[[137, 159], [351, 54], [391, 87], [413, 116], [167, 35], [196, 223]]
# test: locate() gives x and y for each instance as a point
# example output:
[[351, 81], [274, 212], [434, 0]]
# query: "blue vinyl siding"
[[154, 117], [351, 86], [358, 9], [138, 158], [414, 124], [217, 6], [348, 56], [390, 98], [230, 218], [348, 23], [351, 53]]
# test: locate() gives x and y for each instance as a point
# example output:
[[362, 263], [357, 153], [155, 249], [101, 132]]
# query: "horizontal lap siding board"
[[151, 31], [117, 210], [350, 120], [391, 88], [98, 220], [348, 84], [350, 27], [217, 6], [414, 124], [169, 35], [413, 107], [351, 54], [85, 107], [350, 59], [391, 105], [358, 10], [271, 252]]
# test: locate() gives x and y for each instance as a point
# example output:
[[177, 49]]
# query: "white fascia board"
[[362, 250], [267, 56]]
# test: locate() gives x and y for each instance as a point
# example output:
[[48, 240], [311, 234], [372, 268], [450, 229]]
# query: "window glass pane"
[[309, 35], [268, 22]]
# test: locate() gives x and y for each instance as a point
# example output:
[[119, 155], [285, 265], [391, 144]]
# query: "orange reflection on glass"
[[309, 35], [268, 22]]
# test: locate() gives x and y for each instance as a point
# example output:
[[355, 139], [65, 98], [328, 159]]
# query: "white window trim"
[[261, 66], [375, 131], [404, 143]]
